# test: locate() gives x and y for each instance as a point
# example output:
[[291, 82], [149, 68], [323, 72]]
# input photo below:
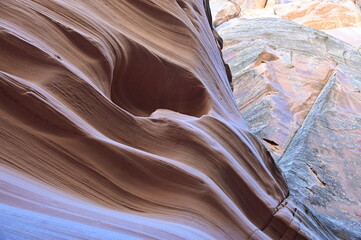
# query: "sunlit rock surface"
[[230, 10], [320, 14], [299, 89], [218, 5], [118, 122], [350, 35]]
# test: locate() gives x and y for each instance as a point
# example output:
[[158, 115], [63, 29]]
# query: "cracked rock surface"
[[299, 89]]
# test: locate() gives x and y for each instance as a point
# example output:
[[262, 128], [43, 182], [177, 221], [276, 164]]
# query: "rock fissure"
[[316, 175], [309, 112]]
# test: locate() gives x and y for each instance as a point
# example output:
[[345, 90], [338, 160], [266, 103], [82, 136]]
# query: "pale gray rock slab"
[[315, 139]]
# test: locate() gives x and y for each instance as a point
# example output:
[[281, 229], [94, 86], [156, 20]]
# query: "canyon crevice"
[[118, 121]]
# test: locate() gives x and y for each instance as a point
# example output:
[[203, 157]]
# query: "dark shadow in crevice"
[[146, 83]]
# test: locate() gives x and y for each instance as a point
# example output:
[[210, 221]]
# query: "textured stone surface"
[[299, 90], [229, 11], [117, 121], [319, 14]]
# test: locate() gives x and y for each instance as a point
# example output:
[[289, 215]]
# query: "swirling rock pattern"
[[299, 90], [118, 122]]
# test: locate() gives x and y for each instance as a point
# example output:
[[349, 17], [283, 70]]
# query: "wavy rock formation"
[[299, 91], [118, 122]]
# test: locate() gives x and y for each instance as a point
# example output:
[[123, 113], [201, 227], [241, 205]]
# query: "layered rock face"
[[118, 122], [322, 15], [319, 14], [299, 91]]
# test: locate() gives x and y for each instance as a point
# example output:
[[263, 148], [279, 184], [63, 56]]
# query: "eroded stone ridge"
[[118, 122]]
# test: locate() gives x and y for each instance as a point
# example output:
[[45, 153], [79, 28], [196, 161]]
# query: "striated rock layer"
[[299, 91], [319, 14], [118, 122]]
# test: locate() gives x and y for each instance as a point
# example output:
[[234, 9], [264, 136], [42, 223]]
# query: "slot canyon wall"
[[118, 121]]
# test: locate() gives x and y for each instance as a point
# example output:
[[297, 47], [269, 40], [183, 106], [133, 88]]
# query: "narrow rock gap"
[[316, 175], [270, 141]]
